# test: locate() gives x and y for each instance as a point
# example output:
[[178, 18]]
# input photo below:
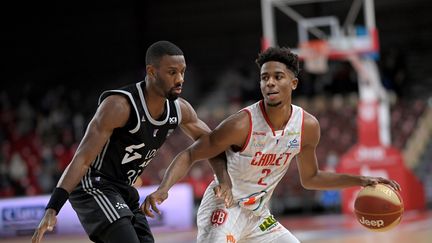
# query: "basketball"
[[378, 208]]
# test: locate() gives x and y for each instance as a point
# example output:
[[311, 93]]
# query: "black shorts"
[[99, 202]]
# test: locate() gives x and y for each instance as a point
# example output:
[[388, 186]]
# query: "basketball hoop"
[[315, 54]]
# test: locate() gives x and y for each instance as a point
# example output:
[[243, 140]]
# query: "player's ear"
[[294, 83], [150, 70]]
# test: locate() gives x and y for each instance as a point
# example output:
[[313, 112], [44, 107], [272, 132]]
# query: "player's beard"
[[171, 95]]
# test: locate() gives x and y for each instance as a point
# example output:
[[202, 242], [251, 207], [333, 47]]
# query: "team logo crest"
[[218, 217]]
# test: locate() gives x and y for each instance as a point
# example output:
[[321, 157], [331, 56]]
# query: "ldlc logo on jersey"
[[173, 120], [293, 144]]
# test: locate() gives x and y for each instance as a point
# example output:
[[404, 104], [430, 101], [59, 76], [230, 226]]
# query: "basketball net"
[[315, 54]]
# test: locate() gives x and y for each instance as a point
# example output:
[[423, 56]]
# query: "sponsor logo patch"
[[121, 205], [293, 144], [230, 238], [173, 120], [259, 133], [258, 143], [376, 223], [293, 133], [218, 217], [268, 223]]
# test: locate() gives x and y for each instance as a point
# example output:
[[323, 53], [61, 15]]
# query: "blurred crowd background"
[[64, 55]]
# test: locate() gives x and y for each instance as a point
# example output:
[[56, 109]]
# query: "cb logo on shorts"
[[218, 217]]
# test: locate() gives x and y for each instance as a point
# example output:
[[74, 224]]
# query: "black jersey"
[[131, 148]]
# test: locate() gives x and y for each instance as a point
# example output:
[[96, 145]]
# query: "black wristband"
[[58, 199]]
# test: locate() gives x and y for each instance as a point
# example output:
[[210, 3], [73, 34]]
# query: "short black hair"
[[159, 49], [279, 54]]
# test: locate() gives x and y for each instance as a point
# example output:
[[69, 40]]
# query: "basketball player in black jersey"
[[128, 128]]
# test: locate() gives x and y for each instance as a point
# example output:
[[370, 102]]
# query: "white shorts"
[[216, 223]]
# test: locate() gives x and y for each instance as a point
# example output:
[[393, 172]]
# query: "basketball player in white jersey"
[[260, 142]]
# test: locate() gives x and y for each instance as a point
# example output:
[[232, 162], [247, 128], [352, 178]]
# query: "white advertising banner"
[[20, 216]]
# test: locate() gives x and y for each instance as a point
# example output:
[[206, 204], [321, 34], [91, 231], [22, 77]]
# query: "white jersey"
[[265, 157], [255, 171]]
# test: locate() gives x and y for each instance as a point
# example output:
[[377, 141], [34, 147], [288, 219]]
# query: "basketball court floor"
[[415, 227]]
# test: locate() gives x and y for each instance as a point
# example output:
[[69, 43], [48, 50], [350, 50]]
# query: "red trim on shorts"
[[249, 132]]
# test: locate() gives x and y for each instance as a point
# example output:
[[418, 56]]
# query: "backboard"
[[343, 35]]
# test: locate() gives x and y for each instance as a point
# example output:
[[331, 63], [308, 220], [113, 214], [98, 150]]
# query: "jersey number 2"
[[266, 172]]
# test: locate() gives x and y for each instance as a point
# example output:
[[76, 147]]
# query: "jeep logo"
[[377, 223]]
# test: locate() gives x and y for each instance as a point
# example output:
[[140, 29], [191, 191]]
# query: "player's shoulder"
[[310, 120], [116, 103], [311, 129], [186, 109], [239, 120], [114, 111], [184, 104], [310, 123]]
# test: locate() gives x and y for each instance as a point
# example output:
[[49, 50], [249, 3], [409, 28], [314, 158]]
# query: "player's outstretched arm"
[[232, 132], [195, 128], [313, 178], [112, 113]]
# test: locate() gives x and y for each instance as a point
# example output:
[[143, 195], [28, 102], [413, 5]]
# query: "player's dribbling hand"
[[151, 200], [223, 191], [47, 223], [371, 181]]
